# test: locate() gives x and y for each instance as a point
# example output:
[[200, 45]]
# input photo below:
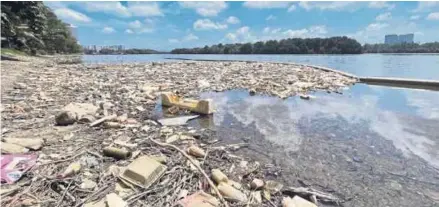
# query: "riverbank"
[[34, 92]]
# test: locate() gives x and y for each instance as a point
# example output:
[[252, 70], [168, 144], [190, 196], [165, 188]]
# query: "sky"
[[168, 25]]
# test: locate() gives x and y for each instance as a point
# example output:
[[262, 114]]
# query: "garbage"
[[72, 169], [256, 196], [231, 193], [273, 186], [199, 199], [201, 106], [88, 184], [103, 119], [113, 200], [14, 166], [296, 202], [99, 203], [9, 148], [177, 121], [196, 151], [74, 112], [30, 143], [87, 119], [257, 184], [219, 176], [143, 171], [112, 125], [116, 153]]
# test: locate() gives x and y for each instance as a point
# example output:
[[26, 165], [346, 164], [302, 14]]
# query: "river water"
[[371, 145]]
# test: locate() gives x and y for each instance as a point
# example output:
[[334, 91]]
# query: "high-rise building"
[[397, 39], [407, 38]]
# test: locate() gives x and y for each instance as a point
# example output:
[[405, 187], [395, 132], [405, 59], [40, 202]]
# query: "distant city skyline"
[[167, 25], [396, 39]]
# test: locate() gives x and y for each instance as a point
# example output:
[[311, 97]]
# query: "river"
[[420, 66], [372, 145]]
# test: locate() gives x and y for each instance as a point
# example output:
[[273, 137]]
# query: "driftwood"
[[309, 192]]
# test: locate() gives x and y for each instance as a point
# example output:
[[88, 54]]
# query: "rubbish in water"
[[199, 199], [198, 106], [116, 153], [231, 193], [34, 144], [196, 151], [143, 171], [297, 201], [177, 121], [14, 166], [9, 148]]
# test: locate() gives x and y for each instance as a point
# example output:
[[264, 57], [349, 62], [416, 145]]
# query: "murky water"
[[370, 146], [407, 118]]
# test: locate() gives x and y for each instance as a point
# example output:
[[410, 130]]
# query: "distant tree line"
[[32, 27], [432, 47], [107, 51], [332, 45]]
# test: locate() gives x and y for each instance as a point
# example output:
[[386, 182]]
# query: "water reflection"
[[408, 118]]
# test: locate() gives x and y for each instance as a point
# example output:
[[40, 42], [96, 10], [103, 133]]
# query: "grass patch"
[[9, 51]]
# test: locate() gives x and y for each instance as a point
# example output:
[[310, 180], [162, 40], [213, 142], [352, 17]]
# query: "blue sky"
[[168, 25]]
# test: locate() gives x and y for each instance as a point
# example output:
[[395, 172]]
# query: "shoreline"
[[34, 92]]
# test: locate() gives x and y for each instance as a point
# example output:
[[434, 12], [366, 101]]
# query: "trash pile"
[[75, 135]]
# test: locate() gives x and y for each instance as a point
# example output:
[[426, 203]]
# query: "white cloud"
[[144, 9], [242, 34], [206, 9], [233, 20], [268, 30], [71, 15], [135, 24], [266, 4], [173, 41], [318, 29], [415, 17], [232, 37], [129, 31], [384, 17], [186, 38], [190, 37], [270, 17], [336, 6], [425, 6], [376, 26], [433, 16], [296, 33], [109, 7], [207, 24], [108, 30], [292, 8], [138, 27], [381, 5], [140, 9]]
